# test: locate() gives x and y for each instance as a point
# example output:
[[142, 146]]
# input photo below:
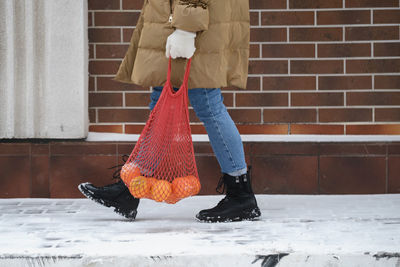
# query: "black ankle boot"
[[115, 195], [239, 203]]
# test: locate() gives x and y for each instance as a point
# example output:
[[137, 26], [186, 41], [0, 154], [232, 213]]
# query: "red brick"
[[344, 114], [372, 33], [254, 18], [105, 99], [127, 34], [343, 17], [387, 81], [91, 51], [103, 66], [107, 84], [137, 99], [316, 99], [386, 49], [288, 50], [287, 18], [373, 129], [372, 3], [78, 169], [91, 83], [268, 35], [253, 83], [101, 4], [40, 176], [38, 149], [90, 15], [289, 83], [261, 99], [284, 148], [316, 34], [387, 16], [111, 51], [344, 50], [135, 129], [372, 65], [104, 35], [286, 175], [228, 99], [316, 129], [344, 82], [268, 67], [92, 115], [315, 4], [387, 114], [192, 116], [15, 179], [263, 129], [82, 148], [352, 148], [393, 148], [245, 115], [316, 66], [123, 115], [289, 115], [393, 175], [14, 148], [254, 51], [129, 4], [116, 18], [373, 98], [106, 128], [356, 175], [267, 4]]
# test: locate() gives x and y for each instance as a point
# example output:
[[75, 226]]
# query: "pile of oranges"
[[158, 190]]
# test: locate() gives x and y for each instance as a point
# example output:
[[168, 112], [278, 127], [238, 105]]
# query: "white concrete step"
[[295, 230]]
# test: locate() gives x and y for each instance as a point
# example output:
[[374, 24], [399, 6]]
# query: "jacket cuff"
[[191, 15]]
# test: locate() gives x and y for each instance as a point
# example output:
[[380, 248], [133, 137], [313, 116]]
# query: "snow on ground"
[[294, 224]]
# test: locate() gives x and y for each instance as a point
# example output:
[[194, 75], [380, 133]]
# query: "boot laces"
[[116, 175], [221, 184]]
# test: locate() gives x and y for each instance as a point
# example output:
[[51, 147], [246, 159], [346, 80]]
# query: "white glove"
[[180, 43]]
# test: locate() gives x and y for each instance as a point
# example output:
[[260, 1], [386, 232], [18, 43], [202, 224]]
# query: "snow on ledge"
[[116, 137]]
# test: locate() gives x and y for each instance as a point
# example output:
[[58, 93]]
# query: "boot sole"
[[131, 215], [251, 215]]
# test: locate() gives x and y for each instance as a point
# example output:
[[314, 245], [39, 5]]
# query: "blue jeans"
[[224, 136]]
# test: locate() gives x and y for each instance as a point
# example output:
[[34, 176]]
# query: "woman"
[[216, 34]]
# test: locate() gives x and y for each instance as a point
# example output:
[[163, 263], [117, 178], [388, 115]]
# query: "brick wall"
[[316, 67]]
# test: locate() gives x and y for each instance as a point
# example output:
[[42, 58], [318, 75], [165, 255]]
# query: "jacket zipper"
[[170, 11]]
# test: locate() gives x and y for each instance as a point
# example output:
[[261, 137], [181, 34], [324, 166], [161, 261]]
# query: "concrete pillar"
[[43, 69]]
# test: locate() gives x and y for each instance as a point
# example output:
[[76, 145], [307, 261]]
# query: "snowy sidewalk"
[[295, 230]]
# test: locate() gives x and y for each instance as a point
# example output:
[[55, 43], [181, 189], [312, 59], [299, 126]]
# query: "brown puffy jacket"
[[222, 44]]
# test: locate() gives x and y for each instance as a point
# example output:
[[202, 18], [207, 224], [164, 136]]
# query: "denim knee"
[[154, 96], [207, 103]]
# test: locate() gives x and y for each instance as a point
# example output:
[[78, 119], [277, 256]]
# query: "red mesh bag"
[[162, 166]]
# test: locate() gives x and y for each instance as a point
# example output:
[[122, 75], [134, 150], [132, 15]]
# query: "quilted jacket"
[[221, 57]]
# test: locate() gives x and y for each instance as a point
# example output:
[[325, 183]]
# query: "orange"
[[139, 187], [196, 185], [185, 186], [150, 182], [129, 171], [181, 187], [172, 199], [161, 190]]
